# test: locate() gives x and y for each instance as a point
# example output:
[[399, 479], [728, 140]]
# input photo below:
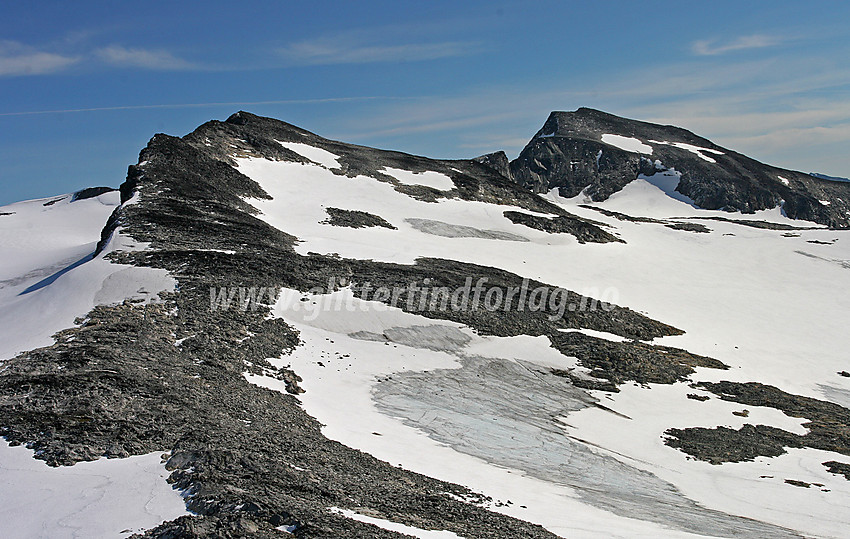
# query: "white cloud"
[[714, 47], [356, 48], [17, 59], [158, 59]]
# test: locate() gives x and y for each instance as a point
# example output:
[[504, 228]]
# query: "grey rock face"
[[498, 161], [568, 153]]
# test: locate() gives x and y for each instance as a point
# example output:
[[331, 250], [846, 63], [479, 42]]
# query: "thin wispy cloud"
[[358, 49], [206, 105], [156, 59], [714, 47], [17, 59]]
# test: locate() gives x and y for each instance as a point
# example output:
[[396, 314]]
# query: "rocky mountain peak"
[[599, 153]]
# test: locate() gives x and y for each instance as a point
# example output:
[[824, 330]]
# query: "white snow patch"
[[628, 144], [301, 194], [667, 181], [697, 150], [824, 202], [784, 180], [428, 178], [103, 498], [395, 526], [314, 154], [598, 334]]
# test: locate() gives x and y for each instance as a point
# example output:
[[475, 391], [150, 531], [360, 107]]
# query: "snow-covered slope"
[[352, 342], [757, 299]]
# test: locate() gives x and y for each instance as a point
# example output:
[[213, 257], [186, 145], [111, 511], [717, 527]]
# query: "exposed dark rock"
[[622, 216], [584, 230], [675, 225], [829, 426], [796, 483], [568, 154], [498, 161], [694, 396], [54, 201], [90, 192], [689, 227], [248, 459], [753, 223], [355, 219], [722, 444], [631, 361], [838, 468]]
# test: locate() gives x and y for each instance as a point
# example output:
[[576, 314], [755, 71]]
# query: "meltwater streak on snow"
[[628, 144], [395, 526], [104, 498]]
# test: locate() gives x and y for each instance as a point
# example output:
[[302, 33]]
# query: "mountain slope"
[[307, 374], [599, 153]]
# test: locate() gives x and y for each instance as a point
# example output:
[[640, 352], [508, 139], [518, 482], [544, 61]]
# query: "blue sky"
[[84, 85]]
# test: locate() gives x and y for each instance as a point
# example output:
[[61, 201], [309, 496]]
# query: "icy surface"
[[104, 498]]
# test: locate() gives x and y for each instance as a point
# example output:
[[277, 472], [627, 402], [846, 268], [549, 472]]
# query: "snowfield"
[[104, 498], [762, 301]]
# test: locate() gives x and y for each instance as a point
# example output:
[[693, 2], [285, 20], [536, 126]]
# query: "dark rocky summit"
[[568, 153]]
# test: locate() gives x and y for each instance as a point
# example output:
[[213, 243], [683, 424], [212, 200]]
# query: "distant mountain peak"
[[599, 153]]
